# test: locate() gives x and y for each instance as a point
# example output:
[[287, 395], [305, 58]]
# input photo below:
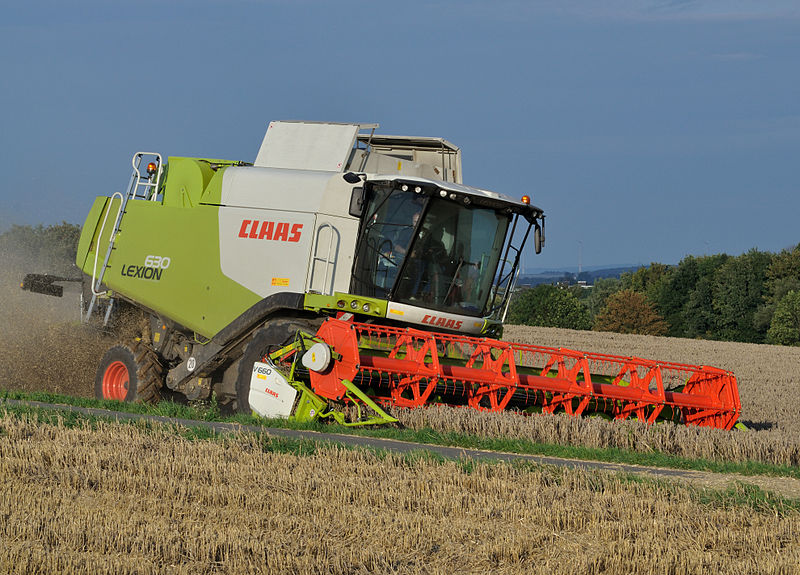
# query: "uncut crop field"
[[113, 498], [768, 375]]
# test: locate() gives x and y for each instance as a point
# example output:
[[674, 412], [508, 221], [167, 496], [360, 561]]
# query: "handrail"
[[110, 240], [136, 161], [327, 261]]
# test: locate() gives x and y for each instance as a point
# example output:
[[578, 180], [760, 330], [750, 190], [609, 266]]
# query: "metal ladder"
[[328, 262], [142, 186]]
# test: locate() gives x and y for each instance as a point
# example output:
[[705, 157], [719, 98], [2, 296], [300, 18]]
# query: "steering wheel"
[[383, 250]]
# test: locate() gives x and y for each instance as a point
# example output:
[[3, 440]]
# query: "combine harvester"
[[343, 268]]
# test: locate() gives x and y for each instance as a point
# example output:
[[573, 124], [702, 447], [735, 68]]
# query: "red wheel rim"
[[115, 381]]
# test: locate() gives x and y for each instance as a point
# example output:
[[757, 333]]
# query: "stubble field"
[[133, 499]]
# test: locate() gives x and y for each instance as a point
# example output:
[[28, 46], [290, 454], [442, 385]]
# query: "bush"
[[785, 326], [628, 311]]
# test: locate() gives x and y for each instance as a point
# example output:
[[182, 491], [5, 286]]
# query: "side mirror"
[[537, 239], [351, 178], [357, 202]]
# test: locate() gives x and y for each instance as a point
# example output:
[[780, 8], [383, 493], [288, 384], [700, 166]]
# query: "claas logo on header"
[[278, 231]]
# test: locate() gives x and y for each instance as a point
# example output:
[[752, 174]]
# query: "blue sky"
[[647, 131]]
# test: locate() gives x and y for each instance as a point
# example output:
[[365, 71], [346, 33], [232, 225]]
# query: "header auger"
[[343, 267]]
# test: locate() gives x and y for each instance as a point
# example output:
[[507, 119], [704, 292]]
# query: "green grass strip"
[[208, 411], [200, 411]]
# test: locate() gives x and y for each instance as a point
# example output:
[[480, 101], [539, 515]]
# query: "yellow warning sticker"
[[397, 312], [280, 282]]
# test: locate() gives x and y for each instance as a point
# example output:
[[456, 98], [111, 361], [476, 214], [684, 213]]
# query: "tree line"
[[754, 297]]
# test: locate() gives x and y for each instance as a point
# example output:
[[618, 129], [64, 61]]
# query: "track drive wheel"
[[129, 373], [269, 338]]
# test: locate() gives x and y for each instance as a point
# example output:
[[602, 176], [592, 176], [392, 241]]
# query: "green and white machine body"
[[328, 219], [218, 237]]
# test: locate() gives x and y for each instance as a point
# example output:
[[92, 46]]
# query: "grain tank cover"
[[308, 145]]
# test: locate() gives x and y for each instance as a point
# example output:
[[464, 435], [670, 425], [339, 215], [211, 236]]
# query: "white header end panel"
[[307, 146], [270, 394]]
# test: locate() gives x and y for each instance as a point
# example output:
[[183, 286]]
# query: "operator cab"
[[439, 246]]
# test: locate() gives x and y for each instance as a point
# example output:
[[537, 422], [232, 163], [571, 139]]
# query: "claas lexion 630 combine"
[[340, 273]]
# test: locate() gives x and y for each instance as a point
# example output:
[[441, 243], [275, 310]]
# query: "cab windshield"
[[428, 251]]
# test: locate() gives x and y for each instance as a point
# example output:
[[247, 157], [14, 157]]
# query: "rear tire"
[[129, 373]]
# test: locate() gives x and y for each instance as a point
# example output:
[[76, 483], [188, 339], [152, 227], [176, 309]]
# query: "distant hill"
[[587, 275]]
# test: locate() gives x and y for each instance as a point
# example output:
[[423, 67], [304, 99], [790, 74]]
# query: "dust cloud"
[[43, 345]]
